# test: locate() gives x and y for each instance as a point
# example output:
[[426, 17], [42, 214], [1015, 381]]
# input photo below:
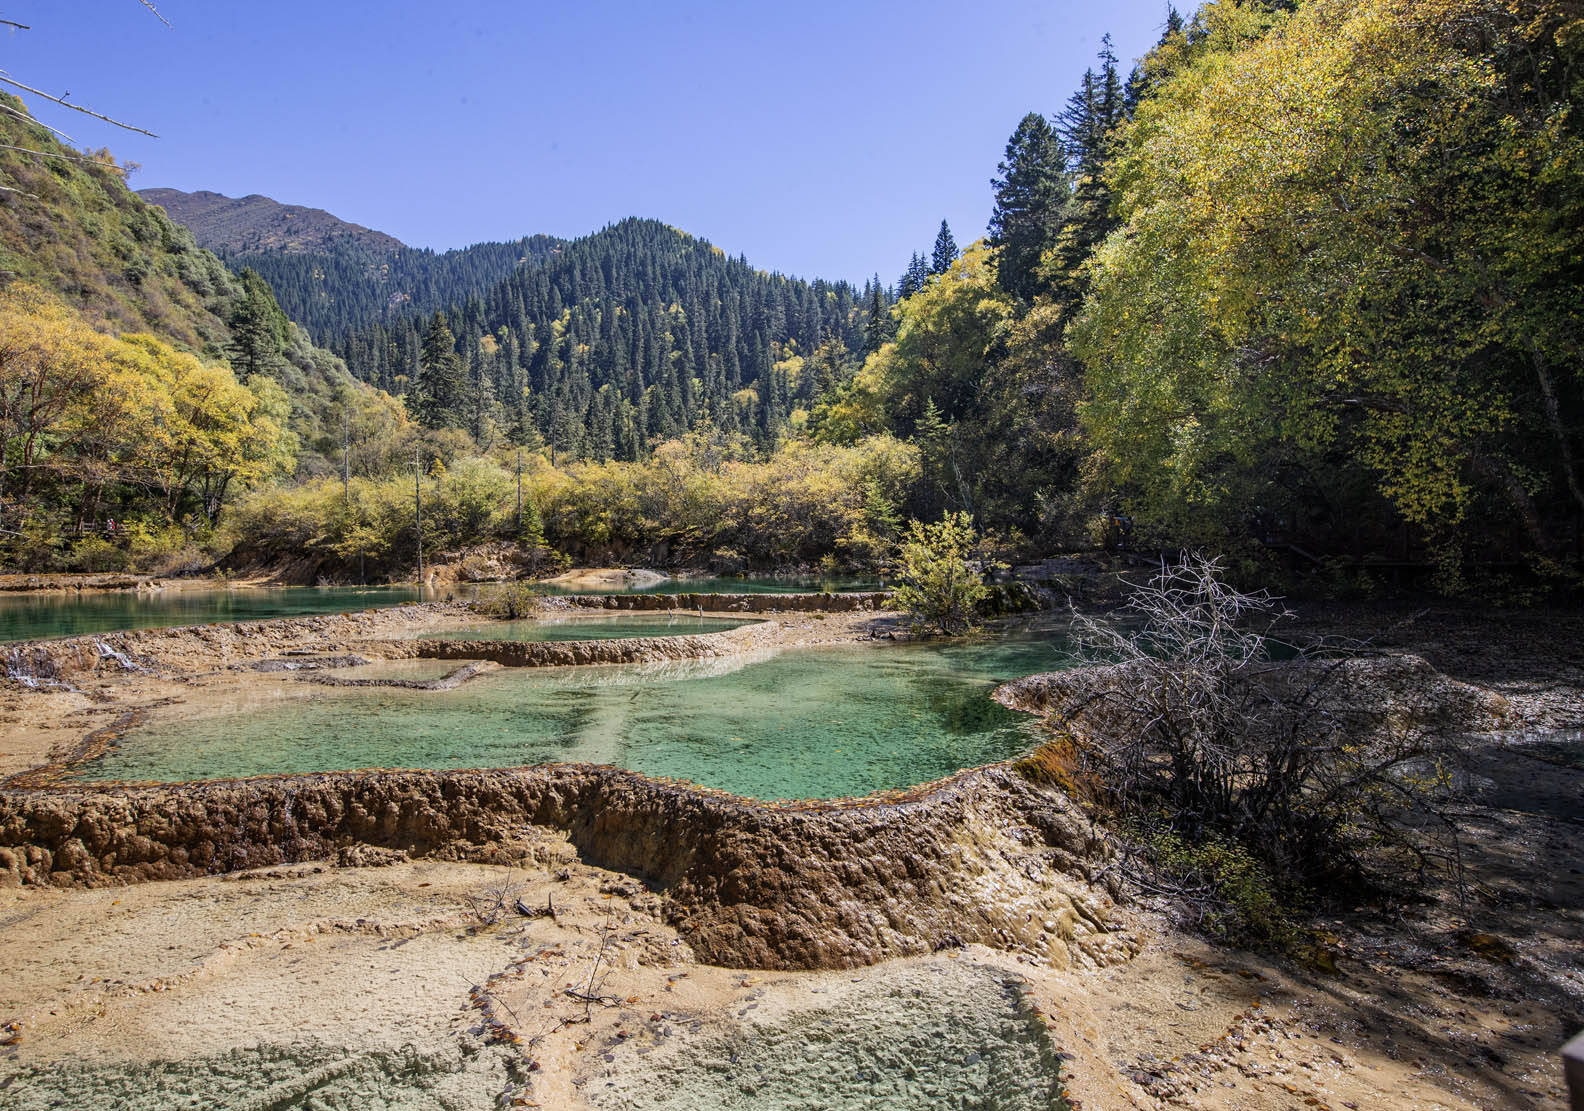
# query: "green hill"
[[70, 227], [628, 336], [332, 276], [69, 224]]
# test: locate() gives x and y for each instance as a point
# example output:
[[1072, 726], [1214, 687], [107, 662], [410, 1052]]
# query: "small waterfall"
[[106, 652]]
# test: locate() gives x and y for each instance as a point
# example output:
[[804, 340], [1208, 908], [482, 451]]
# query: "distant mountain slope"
[[626, 337], [258, 223], [333, 277]]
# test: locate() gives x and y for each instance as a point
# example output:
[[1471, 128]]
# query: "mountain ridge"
[[257, 222], [332, 276]]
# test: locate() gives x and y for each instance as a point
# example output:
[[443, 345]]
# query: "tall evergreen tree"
[[1140, 81], [914, 277], [258, 329], [1086, 129], [436, 396], [878, 325], [945, 251], [1028, 200], [479, 403]]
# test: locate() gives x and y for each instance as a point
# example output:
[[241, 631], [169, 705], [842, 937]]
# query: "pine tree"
[[258, 329], [878, 325], [479, 402], [437, 391], [945, 251], [914, 277], [1028, 200], [1140, 81], [1087, 127]]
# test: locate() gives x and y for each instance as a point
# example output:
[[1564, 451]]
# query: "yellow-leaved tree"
[[1346, 277]]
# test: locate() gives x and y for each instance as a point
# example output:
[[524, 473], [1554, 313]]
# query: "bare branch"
[[9, 80], [156, 12], [23, 116], [65, 157]]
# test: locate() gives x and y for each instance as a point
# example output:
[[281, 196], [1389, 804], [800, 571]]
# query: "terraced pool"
[[31, 616], [801, 723]]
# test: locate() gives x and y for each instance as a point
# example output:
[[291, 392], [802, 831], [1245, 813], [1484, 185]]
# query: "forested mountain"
[[619, 340], [258, 223], [1306, 282], [331, 276]]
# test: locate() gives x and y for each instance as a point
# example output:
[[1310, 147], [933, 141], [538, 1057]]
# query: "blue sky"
[[819, 139]]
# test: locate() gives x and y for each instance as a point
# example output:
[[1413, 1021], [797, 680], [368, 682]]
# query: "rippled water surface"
[[802, 723]]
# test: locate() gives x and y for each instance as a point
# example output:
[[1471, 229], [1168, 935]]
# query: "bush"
[[513, 601], [1304, 763], [936, 584], [95, 554], [1230, 891]]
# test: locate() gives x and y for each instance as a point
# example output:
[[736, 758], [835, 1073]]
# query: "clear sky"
[[819, 139]]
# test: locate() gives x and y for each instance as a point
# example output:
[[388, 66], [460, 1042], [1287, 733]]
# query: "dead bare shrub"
[[1326, 766]]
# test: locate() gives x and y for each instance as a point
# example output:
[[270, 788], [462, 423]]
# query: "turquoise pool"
[[801, 723]]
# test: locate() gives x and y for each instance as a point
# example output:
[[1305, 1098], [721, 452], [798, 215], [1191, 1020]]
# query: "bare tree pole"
[[6, 78], [346, 453], [25, 118], [418, 506], [519, 494], [156, 12]]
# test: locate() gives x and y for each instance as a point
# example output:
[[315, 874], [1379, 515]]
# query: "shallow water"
[[803, 723], [28, 616], [592, 628], [31, 616], [747, 584]]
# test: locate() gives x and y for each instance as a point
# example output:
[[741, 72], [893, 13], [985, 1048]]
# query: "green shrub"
[[95, 554], [1231, 892], [936, 585]]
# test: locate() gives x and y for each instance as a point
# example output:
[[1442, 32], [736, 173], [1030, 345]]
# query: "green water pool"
[[31, 616], [592, 628], [801, 723], [745, 584]]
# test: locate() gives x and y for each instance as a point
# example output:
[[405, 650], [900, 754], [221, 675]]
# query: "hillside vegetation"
[[69, 224], [141, 382], [1303, 287]]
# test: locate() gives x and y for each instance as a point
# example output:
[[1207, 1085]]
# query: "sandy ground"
[[1457, 1002], [595, 580]]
